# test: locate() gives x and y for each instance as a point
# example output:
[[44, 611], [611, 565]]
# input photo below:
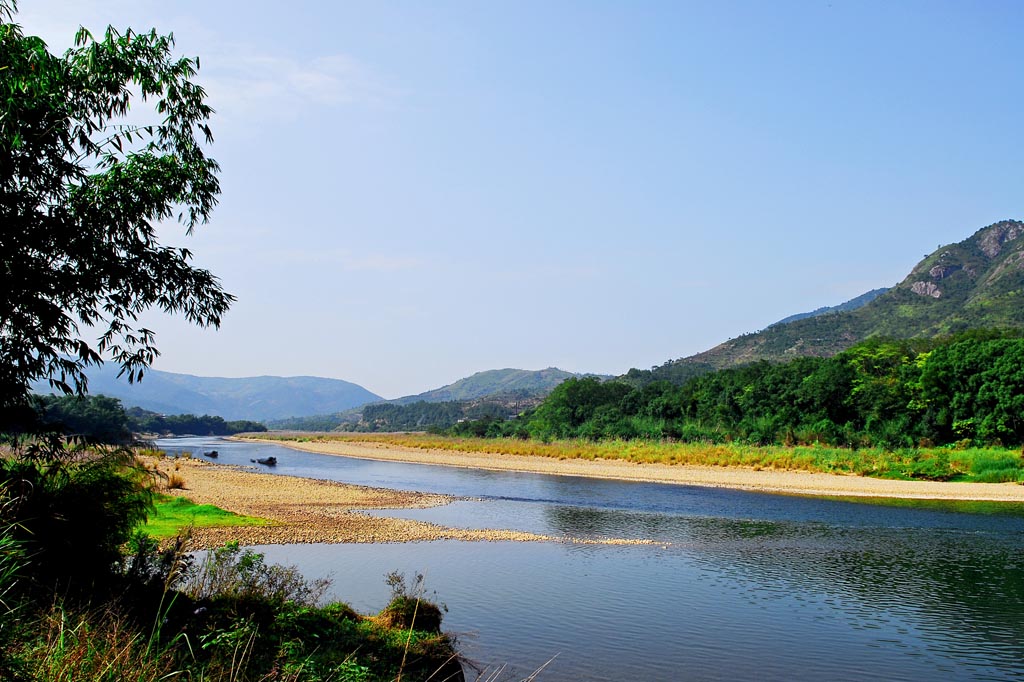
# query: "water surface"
[[741, 585]]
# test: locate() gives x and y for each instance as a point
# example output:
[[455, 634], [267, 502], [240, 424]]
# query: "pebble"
[[303, 510]]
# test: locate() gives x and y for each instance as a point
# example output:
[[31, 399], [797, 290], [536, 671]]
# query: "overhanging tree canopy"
[[85, 179]]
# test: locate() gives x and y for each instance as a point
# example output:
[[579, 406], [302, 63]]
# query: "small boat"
[[268, 461], [212, 454]]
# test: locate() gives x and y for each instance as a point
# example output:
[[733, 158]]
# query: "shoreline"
[[773, 481], [307, 510]]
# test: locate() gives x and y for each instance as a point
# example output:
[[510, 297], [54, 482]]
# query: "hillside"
[[978, 282], [492, 392], [852, 304], [256, 398], [522, 383]]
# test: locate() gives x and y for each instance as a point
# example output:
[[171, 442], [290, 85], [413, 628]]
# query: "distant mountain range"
[[312, 403], [508, 389], [978, 282], [256, 398]]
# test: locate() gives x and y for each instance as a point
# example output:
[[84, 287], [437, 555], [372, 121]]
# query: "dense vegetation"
[[104, 419], [422, 415], [74, 606], [967, 389], [84, 595], [144, 421]]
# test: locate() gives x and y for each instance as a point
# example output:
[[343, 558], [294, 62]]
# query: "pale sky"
[[416, 191]]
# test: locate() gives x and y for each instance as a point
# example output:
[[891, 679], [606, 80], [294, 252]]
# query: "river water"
[[738, 585]]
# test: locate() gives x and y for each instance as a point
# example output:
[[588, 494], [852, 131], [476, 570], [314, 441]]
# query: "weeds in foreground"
[[229, 618], [101, 645]]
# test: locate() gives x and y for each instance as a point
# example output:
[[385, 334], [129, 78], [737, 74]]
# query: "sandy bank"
[[787, 482], [305, 510]]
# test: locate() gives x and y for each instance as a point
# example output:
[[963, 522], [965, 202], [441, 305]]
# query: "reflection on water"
[[740, 586]]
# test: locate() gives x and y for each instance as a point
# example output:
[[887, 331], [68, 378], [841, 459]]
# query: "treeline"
[[144, 421], [966, 389], [104, 419], [422, 415]]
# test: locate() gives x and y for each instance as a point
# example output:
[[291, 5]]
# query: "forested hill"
[[852, 304], [492, 392], [255, 398], [494, 382], [978, 282]]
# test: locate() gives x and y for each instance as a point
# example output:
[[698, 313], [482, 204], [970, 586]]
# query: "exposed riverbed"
[[737, 585]]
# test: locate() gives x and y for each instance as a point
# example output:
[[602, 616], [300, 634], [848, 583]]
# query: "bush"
[[73, 508], [231, 572], [407, 609]]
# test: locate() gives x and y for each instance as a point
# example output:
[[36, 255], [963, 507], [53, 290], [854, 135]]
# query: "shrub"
[[232, 572], [73, 508], [407, 609], [175, 482]]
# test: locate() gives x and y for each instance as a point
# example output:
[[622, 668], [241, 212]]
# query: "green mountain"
[[852, 304], [978, 282], [522, 383], [489, 393], [256, 398]]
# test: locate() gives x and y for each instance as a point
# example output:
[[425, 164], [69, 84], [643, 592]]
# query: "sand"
[[763, 480], [304, 510]]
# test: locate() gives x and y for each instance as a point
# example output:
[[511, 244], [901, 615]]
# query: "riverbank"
[[740, 478], [304, 510]]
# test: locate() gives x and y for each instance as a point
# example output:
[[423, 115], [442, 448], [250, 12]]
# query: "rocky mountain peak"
[[993, 237], [975, 283]]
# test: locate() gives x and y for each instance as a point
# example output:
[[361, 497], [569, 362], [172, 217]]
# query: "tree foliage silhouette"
[[87, 176]]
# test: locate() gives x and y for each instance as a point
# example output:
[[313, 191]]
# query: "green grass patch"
[[175, 513]]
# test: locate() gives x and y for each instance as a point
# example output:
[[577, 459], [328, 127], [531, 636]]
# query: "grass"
[[176, 513], [983, 465], [100, 645], [225, 642]]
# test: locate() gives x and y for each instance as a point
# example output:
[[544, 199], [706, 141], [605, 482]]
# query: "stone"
[[926, 289]]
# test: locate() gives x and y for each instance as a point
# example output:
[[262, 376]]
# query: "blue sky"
[[417, 191]]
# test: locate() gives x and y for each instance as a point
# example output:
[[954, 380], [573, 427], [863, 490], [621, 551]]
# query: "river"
[[738, 585]]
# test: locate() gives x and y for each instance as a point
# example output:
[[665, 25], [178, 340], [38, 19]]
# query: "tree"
[[95, 418], [83, 189]]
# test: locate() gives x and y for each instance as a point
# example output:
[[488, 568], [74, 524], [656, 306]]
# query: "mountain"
[[978, 282], [494, 382], [852, 304], [495, 391], [256, 398]]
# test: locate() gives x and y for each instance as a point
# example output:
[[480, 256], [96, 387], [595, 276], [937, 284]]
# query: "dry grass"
[[977, 464], [175, 482], [98, 645]]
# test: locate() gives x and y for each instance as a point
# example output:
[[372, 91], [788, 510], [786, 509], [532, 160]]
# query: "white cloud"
[[244, 84]]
